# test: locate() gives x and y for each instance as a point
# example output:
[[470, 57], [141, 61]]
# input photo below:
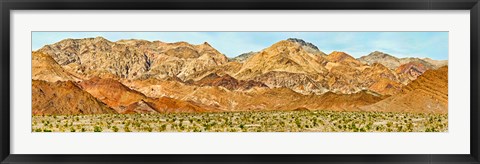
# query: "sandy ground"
[[276, 121]]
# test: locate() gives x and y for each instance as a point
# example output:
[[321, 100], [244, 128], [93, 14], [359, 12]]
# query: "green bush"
[[115, 129], [97, 129]]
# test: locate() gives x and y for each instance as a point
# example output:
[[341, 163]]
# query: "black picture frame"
[[9, 5]]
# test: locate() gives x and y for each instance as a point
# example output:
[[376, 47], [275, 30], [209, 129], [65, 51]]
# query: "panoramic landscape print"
[[239, 82]]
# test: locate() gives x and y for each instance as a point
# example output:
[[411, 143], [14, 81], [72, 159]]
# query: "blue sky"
[[400, 44]]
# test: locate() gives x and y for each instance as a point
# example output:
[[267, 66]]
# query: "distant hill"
[[394, 62]]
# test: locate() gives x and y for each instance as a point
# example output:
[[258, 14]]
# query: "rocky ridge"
[[242, 57], [64, 97], [132, 59], [427, 94], [394, 62], [138, 76]]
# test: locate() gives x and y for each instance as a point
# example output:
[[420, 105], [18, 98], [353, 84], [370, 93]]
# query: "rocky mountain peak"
[[303, 43], [413, 69], [289, 48], [337, 56], [206, 47], [394, 62], [139, 76], [133, 58], [93, 40], [134, 42], [307, 46], [242, 57], [99, 38], [181, 43], [382, 58], [379, 54], [227, 82]]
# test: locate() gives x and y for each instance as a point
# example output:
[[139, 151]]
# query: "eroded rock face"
[[380, 79], [411, 70], [227, 82], [133, 59], [436, 63], [242, 57], [284, 58], [139, 107], [64, 97], [288, 64], [381, 58], [307, 46], [112, 93], [291, 63], [393, 63], [126, 100], [255, 99], [427, 94], [137, 76], [299, 82], [343, 58], [47, 69]]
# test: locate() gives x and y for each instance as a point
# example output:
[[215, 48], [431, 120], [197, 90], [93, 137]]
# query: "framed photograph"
[[239, 81]]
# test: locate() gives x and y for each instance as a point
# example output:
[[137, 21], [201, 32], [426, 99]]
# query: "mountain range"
[[139, 76]]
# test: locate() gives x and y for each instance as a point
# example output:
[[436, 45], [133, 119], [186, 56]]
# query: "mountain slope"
[[253, 99], [293, 57], [436, 63], [411, 70], [227, 81], [139, 76], [112, 93], [126, 100], [133, 59], [427, 94], [307, 46], [343, 58], [381, 58], [283, 56], [45, 68], [291, 63], [242, 57], [59, 98], [394, 62]]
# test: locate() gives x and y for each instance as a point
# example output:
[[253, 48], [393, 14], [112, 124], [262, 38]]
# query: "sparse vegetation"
[[274, 121]]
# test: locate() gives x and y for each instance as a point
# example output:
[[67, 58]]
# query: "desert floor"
[[274, 121]]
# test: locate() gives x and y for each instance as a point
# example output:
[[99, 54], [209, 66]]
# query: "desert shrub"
[[97, 129], [294, 121], [389, 124], [114, 128]]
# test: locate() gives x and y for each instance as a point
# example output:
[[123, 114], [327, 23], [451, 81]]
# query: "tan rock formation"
[[64, 97], [45, 68], [133, 59], [427, 94]]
